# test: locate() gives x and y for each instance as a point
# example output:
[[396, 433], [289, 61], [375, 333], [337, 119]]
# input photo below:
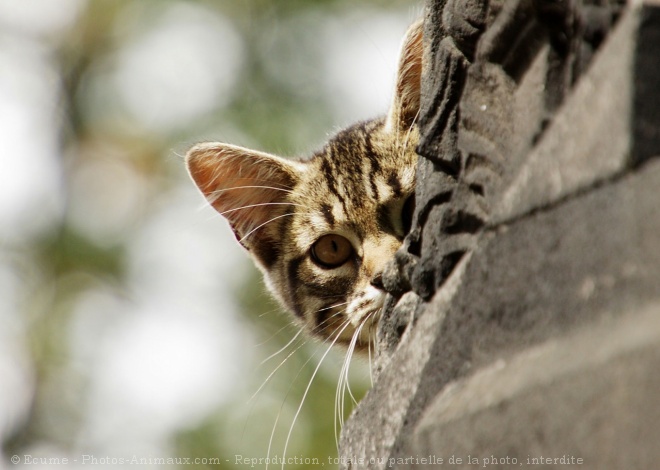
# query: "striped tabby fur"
[[322, 229]]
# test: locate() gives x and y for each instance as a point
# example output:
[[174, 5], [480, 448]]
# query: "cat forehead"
[[365, 140], [363, 163]]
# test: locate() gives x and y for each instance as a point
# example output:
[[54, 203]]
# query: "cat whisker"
[[309, 384], [343, 384], [249, 206], [265, 382], [272, 434], [212, 195], [279, 413], [270, 376], [270, 441], [339, 393], [323, 325], [371, 372], [332, 306], [410, 129], [261, 225], [283, 348], [252, 186], [268, 312]]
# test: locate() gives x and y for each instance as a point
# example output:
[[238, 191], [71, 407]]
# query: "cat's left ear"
[[405, 104]]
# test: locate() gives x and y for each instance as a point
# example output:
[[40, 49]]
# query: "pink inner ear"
[[248, 188], [249, 207]]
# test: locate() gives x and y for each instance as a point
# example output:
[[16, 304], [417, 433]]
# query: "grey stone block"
[[593, 257], [536, 243]]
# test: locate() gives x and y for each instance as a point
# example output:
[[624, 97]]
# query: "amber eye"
[[331, 251], [407, 213]]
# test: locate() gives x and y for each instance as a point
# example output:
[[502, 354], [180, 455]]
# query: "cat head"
[[322, 230]]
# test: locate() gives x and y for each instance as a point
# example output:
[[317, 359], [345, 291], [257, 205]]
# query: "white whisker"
[[261, 225], [272, 435], [275, 370], [282, 348], [344, 383], [274, 188], [249, 206], [279, 413], [309, 384], [339, 407], [332, 306], [371, 372], [325, 323], [267, 379], [410, 129], [268, 312], [277, 419]]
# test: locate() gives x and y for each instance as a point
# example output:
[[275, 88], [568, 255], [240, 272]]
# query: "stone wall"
[[524, 321]]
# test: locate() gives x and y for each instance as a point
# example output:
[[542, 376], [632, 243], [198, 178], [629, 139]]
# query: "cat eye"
[[407, 213], [331, 251]]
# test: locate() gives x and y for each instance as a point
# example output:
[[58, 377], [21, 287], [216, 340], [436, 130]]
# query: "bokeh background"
[[131, 323]]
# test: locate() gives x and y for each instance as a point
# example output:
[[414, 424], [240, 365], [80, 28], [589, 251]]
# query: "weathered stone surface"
[[519, 288], [601, 147], [537, 233], [584, 396]]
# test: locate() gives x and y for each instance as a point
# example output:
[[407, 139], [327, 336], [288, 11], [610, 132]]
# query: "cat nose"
[[377, 281]]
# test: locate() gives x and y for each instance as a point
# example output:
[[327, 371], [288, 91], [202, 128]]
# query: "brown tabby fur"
[[355, 186]]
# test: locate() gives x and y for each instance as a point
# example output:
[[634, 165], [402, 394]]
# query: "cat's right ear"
[[247, 187], [405, 103]]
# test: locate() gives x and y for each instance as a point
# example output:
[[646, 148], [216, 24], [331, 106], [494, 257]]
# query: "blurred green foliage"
[[276, 112]]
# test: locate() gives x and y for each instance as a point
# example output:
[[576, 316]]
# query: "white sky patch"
[[39, 17], [17, 379], [166, 365], [185, 246], [31, 195], [360, 64], [185, 65], [159, 370], [171, 348], [175, 349]]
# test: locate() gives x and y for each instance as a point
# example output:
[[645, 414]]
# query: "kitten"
[[322, 230]]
